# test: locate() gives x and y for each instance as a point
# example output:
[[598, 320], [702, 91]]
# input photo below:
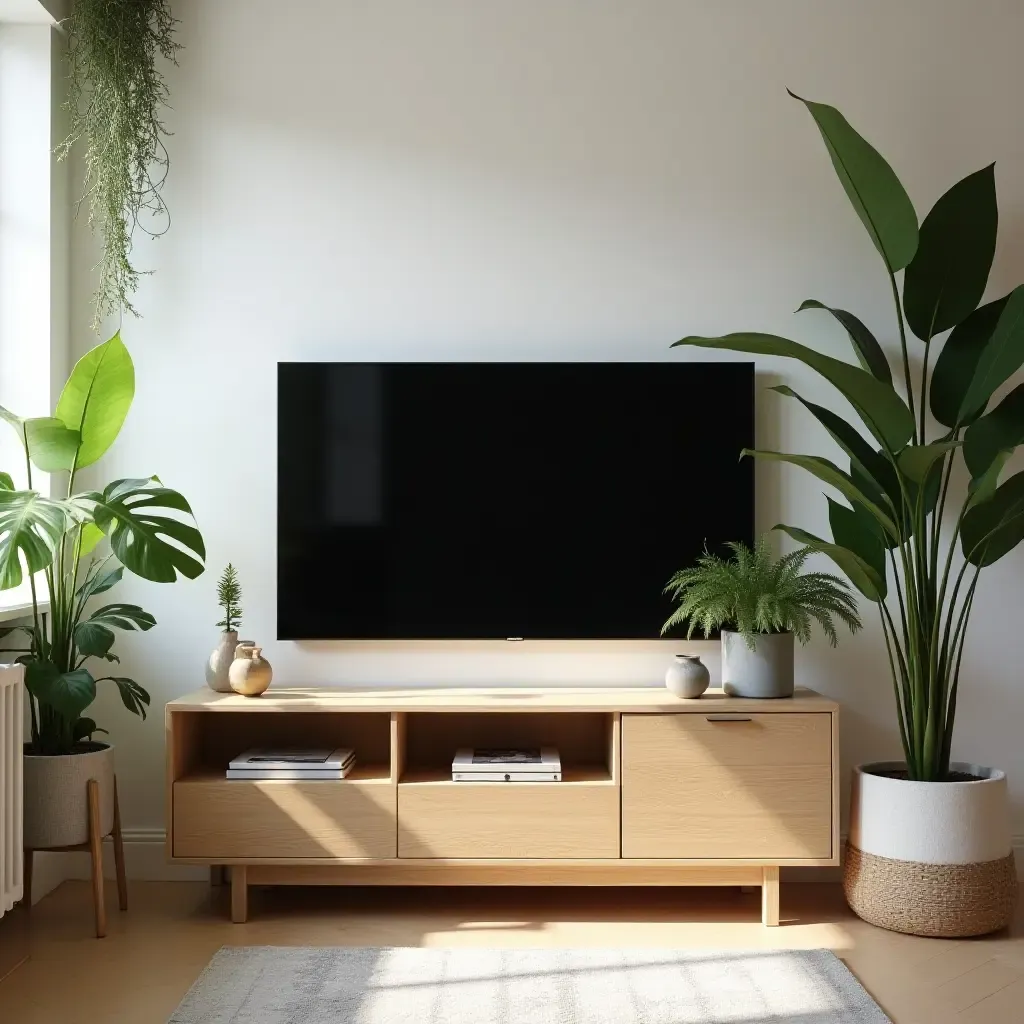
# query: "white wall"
[[566, 179]]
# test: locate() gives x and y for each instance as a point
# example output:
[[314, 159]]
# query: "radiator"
[[11, 739]]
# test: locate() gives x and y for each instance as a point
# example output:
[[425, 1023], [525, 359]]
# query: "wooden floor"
[[151, 955]]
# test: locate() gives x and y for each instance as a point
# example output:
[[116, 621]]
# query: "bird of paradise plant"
[[892, 537]]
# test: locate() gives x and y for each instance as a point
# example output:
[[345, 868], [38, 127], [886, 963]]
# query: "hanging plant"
[[115, 96]]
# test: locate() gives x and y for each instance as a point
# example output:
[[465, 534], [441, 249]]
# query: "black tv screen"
[[503, 500]]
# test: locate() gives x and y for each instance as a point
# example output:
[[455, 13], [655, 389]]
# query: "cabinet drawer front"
[[242, 819], [755, 786], [556, 820]]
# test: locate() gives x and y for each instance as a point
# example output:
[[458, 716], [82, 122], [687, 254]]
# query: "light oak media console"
[[656, 790]]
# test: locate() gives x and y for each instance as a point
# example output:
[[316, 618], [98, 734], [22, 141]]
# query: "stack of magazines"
[[289, 763], [519, 765]]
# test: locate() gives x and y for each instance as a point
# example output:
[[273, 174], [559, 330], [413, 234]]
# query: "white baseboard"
[[146, 861]]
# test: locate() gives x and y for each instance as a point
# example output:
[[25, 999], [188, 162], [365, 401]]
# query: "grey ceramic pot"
[[687, 676], [56, 801], [764, 672]]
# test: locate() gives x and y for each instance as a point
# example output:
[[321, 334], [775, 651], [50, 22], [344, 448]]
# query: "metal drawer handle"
[[728, 718]]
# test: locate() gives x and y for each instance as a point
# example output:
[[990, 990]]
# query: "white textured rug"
[[343, 985]]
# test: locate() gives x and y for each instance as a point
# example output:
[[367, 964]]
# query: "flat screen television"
[[503, 500]]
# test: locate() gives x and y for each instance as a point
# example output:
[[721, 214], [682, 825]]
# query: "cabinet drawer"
[[215, 818], [750, 786], [508, 820]]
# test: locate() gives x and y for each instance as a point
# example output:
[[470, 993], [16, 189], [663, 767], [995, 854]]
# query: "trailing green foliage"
[[229, 597], [55, 536], [893, 528], [115, 96], [752, 593]]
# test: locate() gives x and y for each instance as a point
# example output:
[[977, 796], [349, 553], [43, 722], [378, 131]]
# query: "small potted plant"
[[55, 543], [229, 597], [765, 602]]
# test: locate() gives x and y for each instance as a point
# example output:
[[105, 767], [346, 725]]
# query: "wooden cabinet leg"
[[26, 890], [96, 852], [122, 880], [239, 894], [770, 897]]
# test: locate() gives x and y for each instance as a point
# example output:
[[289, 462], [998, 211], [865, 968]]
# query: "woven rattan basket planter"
[[930, 858]]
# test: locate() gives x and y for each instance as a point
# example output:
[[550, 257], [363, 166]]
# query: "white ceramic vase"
[[687, 677], [56, 801], [930, 858], [764, 672], [219, 662]]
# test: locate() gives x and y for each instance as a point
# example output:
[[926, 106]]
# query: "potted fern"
[[229, 597], [56, 542], [929, 849], [760, 604]]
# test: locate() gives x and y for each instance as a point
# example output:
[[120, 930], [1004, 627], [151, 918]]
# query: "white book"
[[506, 776], [507, 762], [287, 758], [295, 774]]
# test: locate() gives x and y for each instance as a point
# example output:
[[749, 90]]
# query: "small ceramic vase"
[[219, 662], [687, 676], [250, 673]]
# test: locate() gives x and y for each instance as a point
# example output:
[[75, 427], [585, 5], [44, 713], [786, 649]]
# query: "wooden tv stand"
[[656, 790]]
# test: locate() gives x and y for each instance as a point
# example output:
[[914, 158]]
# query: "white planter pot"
[[764, 672], [56, 805], [930, 858], [219, 662]]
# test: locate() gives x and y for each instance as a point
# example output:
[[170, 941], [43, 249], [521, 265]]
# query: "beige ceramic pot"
[[250, 672], [56, 804], [218, 664]]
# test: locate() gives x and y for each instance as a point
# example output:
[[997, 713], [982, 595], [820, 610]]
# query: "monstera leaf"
[[94, 636], [127, 511], [68, 693], [31, 528]]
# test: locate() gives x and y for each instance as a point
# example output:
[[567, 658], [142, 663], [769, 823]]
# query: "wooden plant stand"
[[95, 849]]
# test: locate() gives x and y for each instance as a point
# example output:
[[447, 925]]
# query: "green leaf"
[[85, 728], [957, 363], [872, 463], [51, 445], [947, 276], [916, 460], [91, 536], [68, 693], [999, 430], [994, 527], [982, 487], [123, 616], [859, 573], [97, 397], [93, 639], [831, 474], [871, 185], [133, 696], [855, 530], [141, 539], [31, 528], [865, 346], [1002, 355], [99, 583], [884, 413], [6, 483]]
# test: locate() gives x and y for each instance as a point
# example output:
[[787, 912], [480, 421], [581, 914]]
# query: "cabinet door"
[[755, 786]]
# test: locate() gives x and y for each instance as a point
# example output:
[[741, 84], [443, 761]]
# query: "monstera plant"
[[143, 526], [907, 536]]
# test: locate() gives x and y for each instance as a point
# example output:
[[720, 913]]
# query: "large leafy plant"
[[892, 525], [59, 537], [753, 592]]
